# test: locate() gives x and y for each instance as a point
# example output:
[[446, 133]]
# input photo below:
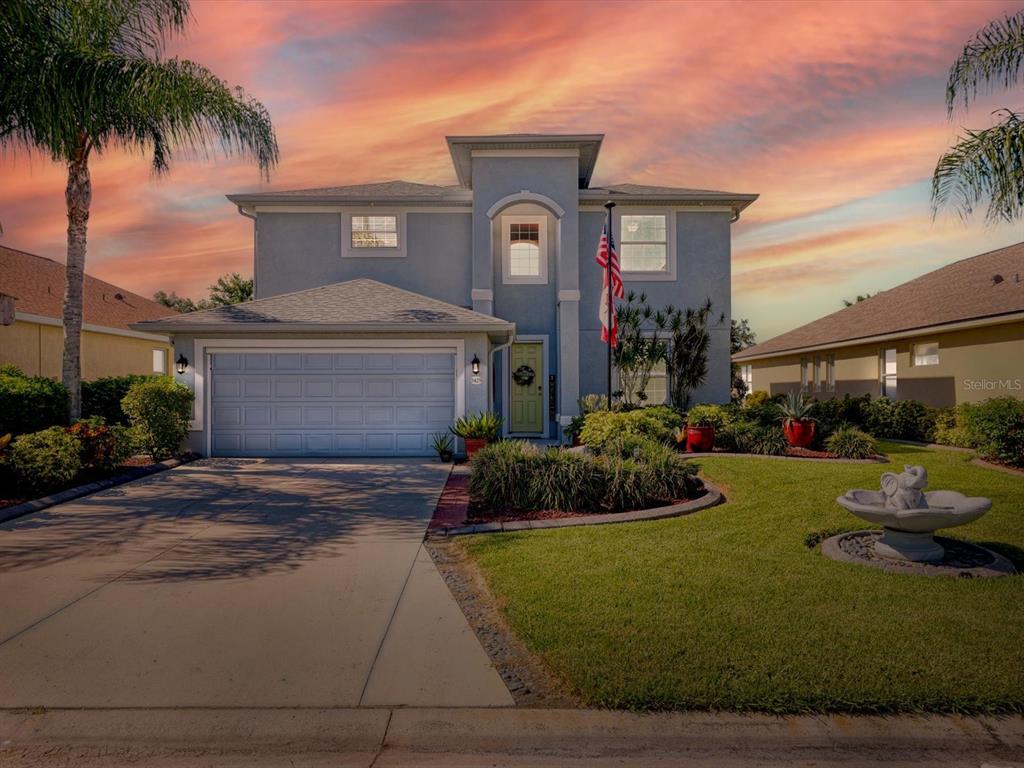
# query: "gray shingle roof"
[[395, 189], [355, 305], [961, 291]]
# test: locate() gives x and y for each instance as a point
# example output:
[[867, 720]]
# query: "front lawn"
[[729, 609]]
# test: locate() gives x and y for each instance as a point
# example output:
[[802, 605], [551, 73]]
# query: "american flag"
[[604, 247]]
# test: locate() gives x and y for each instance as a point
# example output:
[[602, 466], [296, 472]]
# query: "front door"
[[526, 387]]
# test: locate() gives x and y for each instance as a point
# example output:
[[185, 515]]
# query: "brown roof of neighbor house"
[[985, 286], [354, 305], [37, 285]]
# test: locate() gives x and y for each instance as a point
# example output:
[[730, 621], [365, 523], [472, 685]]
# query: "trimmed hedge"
[[159, 410], [514, 475], [44, 460], [601, 427], [102, 397], [995, 427], [30, 404]]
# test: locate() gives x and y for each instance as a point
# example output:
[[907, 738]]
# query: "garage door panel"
[[331, 403]]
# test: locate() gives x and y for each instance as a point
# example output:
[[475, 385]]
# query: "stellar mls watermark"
[[991, 385]]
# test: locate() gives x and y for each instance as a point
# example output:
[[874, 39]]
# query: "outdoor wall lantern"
[[475, 362], [182, 363]]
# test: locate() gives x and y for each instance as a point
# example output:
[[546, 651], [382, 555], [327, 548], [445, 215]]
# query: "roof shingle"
[[37, 285], [964, 290], [352, 305]]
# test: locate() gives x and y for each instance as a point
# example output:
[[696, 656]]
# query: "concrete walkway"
[[239, 583]]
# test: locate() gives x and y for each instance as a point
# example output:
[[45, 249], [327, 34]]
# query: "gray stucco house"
[[384, 311]]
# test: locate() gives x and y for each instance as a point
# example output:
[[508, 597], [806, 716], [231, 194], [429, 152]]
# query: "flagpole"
[[611, 304]]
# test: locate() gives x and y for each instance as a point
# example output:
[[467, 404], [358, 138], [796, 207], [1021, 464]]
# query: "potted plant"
[[701, 423], [477, 429], [444, 445], [797, 423]]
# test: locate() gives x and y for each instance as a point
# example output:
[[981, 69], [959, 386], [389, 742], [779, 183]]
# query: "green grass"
[[729, 609]]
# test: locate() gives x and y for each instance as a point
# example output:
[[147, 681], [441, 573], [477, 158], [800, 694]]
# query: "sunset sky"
[[833, 112]]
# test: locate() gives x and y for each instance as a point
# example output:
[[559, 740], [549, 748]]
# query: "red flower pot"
[[799, 432], [474, 444], [576, 442], [700, 439]]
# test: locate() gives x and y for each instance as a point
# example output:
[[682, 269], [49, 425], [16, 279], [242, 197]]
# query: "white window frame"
[[667, 274], [747, 375], [160, 354], [349, 252], [915, 357], [889, 382], [506, 249]]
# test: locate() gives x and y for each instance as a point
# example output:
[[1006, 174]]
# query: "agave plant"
[[796, 407], [444, 445], [484, 425]]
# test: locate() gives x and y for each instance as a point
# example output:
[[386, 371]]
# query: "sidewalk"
[[382, 737]]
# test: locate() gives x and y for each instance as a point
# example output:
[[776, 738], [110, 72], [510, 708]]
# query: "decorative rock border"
[[966, 561], [69, 494], [712, 498]]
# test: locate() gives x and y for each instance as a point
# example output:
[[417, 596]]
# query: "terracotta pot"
[[700, 439], [474, 444], [576, 443], [799, 432]]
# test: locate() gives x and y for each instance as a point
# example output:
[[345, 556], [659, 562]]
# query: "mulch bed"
[[87, 476], [455, 509]]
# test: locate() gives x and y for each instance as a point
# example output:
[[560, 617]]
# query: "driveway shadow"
[[225, 519]]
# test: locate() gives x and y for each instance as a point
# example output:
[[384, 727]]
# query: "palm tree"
[[78, 77], [986, 164]]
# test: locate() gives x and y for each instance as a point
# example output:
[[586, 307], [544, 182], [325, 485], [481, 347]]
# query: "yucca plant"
[[796, 407], [443, 444], [485, 425]]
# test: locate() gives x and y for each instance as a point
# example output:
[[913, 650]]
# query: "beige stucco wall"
[[974, 364], [38, 350]]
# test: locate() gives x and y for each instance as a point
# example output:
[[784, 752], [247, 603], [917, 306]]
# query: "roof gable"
[[964, 290]]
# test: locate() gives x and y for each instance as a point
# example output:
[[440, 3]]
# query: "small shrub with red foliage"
[[102, 446]]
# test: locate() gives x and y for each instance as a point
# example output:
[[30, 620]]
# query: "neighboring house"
[[383, 311], [32, 333], [950, 336]]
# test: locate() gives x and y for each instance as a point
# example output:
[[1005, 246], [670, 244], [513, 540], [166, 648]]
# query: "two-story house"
[[383, 311]]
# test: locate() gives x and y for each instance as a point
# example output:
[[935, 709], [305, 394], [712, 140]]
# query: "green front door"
[[527, 399]]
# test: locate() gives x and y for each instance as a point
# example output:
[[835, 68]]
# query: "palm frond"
[[984, 166], [993, 57]]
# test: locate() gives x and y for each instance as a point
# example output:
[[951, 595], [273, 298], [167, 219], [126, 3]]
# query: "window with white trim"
[[657, 386], [747, 374], [926, 353], [159, 361], [374, 231], [644, 242], [524, 249]]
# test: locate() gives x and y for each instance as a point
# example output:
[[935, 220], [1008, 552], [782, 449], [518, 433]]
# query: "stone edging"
[[69, 494], [712, 498], [820, 460]]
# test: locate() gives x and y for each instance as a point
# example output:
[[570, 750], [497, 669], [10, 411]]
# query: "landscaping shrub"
[[601, 427], [834, 413], [752, 437], [102, 397], [516, 475], [995, 427], [851, 443], [44, 460], [159, 410], [757, 399], [899, 419], [10, 369], [667, 415], [949, 430], [29, 404], [101, 446], [706, 415]]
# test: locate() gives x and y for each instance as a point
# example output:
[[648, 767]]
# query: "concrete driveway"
[[239, 583]]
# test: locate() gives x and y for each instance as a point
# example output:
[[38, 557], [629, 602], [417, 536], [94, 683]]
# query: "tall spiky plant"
[[985, 165], [79, 77]]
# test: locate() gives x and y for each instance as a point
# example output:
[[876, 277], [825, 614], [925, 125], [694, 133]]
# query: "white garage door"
[[330, 403]]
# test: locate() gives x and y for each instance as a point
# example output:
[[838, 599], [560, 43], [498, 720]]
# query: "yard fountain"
[[909, 517]]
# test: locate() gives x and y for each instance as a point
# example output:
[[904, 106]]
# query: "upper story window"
[[524, 249], [374, 231], [369, 232], [926, 354], [646, 245]]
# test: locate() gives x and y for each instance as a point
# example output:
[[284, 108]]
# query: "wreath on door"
[[523, 375]]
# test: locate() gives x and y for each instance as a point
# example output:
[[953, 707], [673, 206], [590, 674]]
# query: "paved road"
[[239, 583]]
